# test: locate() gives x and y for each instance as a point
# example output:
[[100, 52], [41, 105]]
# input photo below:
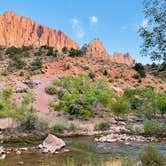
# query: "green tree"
[[120, 106], [154, 33], [65, 50], [140, 69]]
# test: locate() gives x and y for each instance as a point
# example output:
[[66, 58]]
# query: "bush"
[[36, 64], [17, 63], [161, 103], [21, 74], [74, 52], [143, 101], [31, 84], [137, 76], [102, 126], [58, 128], [13, 50], [120, 106], [30, 121], [154, 128], [65, 50], [51, 52], [51, 90], [91, 75], [150, 156], [5, 73], [140, 69]]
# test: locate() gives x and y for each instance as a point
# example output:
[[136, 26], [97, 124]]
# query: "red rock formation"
[[96, 49], [122, 58], [18, 30]]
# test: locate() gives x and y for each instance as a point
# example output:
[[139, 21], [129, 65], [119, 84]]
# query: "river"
[[82, 152]]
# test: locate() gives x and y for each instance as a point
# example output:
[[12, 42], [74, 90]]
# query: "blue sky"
[[115, 22]]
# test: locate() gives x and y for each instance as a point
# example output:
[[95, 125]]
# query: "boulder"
[[52, 143]]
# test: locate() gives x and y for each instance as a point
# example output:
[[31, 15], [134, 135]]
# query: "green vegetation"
[[65, 50], [154, 128], [102, 126], [153, 34], [120, 106], [80, 95], [5, 102], [36, 66], [58, 128], [51, 90], [74, 52], [150, 156], [146, 102], [140, 69], [137, 76]]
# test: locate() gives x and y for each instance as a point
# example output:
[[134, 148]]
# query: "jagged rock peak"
[[95, 48], [18, 30], [122, 58]]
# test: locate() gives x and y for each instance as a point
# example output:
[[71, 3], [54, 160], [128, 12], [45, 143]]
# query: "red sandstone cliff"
[[96, 49], [18, 30], [122, 58]]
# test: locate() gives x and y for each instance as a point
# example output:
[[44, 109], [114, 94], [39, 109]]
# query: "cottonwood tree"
[[153, 31]]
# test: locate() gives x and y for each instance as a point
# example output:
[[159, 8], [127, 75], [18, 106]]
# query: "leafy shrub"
[[6, 105], [65, 50], [150, 156], [137, 76], [85, 67], [36, 64], [120, 106], [140, 69], [51, 90], [142, 101], [30, 121], [5, 73], [154, 128], [13, 50], [21, 74], [161, 103], [58, 128], [17, 63], [30, 84], [91, 75], [74, 52], [51, 52], [102, 126]]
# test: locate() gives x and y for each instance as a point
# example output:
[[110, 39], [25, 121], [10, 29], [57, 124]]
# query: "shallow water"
[[82, 151]]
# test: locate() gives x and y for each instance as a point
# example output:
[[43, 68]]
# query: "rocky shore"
[[125, 138]]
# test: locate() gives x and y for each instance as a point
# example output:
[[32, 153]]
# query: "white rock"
[[52, 143], [3, 156]]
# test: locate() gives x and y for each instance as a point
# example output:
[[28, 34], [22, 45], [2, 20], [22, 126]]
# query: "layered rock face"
[[96, 49], [122, 58], [18, 30]]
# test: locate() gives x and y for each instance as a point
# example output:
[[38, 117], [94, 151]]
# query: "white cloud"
[[93, 20], [77, 28], [144, 23]]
